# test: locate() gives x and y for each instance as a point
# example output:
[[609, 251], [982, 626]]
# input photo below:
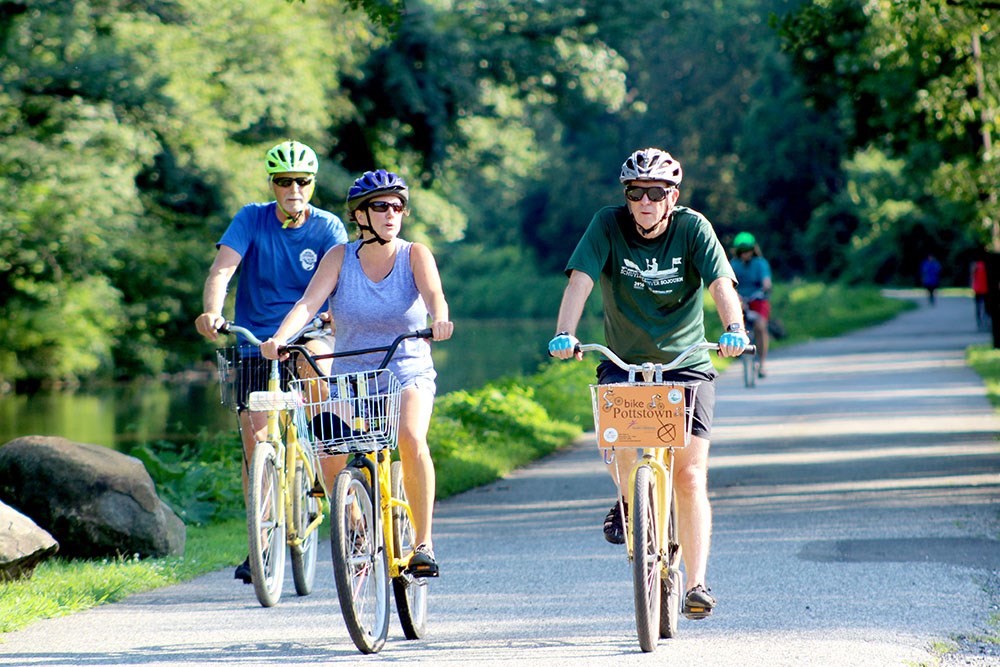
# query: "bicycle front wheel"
[[360, 563], [645, 559], [265, 525], [410, 592], [749, 370], [305, 508]]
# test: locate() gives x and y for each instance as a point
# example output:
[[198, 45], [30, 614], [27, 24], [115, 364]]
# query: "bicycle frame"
[[288, 448], [378, 465]]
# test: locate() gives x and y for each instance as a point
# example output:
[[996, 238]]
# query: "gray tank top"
[[370, 314]]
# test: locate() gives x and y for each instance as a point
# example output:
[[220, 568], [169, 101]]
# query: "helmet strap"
[[290, 218], [646, 232]]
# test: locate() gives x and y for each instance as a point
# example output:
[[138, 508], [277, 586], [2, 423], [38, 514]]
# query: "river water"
[[146, 411]]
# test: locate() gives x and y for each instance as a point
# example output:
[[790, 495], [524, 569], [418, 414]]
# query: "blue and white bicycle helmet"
[[374, 183]]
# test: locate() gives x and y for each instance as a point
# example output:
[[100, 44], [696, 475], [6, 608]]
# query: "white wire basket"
[[349, 413], [242, 371]]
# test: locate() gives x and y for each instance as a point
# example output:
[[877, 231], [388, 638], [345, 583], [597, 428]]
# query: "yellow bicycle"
[[372, 534], [285, 485], [655, 417]]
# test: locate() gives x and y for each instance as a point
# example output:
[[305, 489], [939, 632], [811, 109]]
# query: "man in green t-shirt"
[[653, 259]]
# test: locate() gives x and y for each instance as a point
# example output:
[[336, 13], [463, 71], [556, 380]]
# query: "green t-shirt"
[[652, 288]]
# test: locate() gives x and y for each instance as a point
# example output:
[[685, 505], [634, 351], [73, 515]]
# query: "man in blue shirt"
[[277, 247]]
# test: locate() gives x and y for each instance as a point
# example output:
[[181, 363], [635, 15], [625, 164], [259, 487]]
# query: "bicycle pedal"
[[697, 613], [423, 572], [317, 491]]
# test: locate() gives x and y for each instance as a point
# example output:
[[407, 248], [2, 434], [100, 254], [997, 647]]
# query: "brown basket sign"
[[639, 415]]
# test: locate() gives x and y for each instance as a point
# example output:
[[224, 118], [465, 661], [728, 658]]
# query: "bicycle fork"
[[662, 496]]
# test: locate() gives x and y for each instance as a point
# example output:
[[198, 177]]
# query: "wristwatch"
[[735, 327]]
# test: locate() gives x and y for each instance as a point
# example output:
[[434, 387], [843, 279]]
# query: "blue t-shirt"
[[277, 263], [751, 276]]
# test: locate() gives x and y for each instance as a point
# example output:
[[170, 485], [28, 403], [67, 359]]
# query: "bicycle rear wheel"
[[410, 592], [305, 507], [645, 559], [671, 581], [265, 525], [360, 563]]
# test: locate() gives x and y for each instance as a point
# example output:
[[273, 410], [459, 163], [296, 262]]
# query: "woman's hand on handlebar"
[[442, 330], [272, 349], [564, 346]]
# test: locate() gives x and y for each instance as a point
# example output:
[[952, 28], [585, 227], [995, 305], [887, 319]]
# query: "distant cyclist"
[[754, 276]]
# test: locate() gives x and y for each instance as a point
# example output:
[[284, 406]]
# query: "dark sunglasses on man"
[[654, 192], [286, 182]]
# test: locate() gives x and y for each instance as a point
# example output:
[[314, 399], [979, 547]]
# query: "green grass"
[[60, 586], [476, 437], [985, 360]]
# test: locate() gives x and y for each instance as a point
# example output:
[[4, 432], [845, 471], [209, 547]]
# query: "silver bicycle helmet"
[[651, 164]]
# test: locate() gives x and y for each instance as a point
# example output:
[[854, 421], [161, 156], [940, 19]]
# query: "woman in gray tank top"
[[379, 287]]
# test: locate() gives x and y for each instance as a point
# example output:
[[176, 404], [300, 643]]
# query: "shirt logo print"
[[307, 258]]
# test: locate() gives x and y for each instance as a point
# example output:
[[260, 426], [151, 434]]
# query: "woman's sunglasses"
[[383, 206], [286, 182], [655, 192]]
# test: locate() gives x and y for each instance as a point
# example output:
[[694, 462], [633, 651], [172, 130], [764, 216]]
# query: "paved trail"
[[856, 493]]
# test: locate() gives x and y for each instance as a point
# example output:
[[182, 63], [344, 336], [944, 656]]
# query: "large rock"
[[95, 501], [23, 545]]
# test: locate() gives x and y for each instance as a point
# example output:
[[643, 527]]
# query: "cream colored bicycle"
[[285, 483], [653, 416]]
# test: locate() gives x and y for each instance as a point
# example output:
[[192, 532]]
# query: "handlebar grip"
[[424, 333], [750, 349], [224, 328]]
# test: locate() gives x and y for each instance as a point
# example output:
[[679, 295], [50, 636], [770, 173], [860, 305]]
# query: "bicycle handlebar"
[[650, 367], [315, 325]]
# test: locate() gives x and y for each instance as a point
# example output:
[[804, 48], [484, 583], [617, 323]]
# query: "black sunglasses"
[[286, 182], [383, 206], [655, 192]]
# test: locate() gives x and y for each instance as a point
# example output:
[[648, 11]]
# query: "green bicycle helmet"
[[292, 156], [744, 241]]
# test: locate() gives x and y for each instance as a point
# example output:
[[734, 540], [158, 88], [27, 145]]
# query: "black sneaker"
[[614, 531], [243, 572], [698, 603], [422, 563]]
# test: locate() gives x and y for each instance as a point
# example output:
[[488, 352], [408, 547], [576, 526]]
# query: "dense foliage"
[[847, 134]]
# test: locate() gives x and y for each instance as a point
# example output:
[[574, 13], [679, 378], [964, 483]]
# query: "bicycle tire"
[[360, 563], [671, 580], [266, 526], [750, 365], [645, 559], [305, 507], [749, 371], [410, 592]]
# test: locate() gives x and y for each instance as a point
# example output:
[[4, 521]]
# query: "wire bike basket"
[[643, 414], [349, 413], [242, 370]]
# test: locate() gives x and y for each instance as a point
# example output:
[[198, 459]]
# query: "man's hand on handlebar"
[[733, 343], [564, 346], [208, 324]]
